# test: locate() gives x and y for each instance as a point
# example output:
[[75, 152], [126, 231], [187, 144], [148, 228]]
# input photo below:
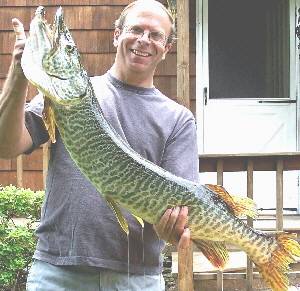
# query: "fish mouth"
[[40, 12], [58, 27], [53, 53]]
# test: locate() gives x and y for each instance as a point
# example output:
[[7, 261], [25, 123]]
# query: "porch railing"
[[249, 163]]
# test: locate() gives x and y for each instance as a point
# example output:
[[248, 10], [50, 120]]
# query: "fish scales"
[[52, 63]]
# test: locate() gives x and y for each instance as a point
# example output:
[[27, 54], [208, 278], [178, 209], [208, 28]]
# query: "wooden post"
[[220, 180], [20, 171], [279, 194], [220, 172], [185, 256], [183, 51], [249, 222], [185, 269]]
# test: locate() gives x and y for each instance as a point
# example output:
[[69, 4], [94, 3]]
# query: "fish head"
[[51, 60]]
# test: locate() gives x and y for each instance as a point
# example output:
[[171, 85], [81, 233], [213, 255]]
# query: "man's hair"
[[119, 23]]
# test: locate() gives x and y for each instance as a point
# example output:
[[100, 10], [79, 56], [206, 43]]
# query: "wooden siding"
[[92, 24]]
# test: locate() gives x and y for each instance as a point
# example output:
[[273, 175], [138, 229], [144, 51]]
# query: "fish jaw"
[[37, 45], [51, 62]]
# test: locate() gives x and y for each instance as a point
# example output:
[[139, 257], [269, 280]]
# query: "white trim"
[[296, 77], [199, 74]]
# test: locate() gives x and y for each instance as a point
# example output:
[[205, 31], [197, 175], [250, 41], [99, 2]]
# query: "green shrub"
[[17, 239]]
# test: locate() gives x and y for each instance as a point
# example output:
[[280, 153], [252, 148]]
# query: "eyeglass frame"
[[128, 29]]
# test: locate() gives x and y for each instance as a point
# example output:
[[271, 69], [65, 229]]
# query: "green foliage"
[[19, 212]]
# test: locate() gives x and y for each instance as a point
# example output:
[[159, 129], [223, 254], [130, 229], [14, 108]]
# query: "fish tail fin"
[[274, 271], [240, 206]]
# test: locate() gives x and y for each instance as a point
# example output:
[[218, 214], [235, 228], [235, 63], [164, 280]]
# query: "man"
[[80, 244]]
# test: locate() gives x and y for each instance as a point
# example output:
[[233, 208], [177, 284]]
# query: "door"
[[246, 84]]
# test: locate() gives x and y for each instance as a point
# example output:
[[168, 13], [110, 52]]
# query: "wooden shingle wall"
[[91, 23]]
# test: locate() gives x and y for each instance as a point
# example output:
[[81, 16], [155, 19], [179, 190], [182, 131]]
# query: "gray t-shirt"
[[77, 226]]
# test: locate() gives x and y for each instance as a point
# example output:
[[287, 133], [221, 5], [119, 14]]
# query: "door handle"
[[205, 95], [277, 101]]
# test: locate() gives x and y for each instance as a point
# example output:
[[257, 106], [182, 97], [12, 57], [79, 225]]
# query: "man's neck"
[[132, 78]]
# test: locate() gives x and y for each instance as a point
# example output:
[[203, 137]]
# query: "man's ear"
[[117, 33], [167, 49]]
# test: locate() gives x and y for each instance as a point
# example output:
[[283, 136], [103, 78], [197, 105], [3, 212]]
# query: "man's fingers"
[[165, 227], [163, 220], [181, 220], [172, 224], [18, 29], [172, 221]]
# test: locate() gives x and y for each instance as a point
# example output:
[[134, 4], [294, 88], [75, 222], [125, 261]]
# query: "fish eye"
[[70, 48]]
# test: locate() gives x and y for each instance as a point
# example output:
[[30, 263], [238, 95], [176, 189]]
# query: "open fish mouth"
[[51, 60]]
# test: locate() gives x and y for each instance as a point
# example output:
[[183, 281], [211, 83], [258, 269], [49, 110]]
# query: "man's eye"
[[136, 30], [157, 36]]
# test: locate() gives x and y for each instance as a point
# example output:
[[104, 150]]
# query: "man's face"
[[141, 44]]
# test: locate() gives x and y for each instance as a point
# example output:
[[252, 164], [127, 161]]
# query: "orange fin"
[[49, 119], [275, 270], [214, 251], [239, 205]]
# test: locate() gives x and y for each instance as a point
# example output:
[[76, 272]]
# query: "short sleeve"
[[34, 122], [181, 152]]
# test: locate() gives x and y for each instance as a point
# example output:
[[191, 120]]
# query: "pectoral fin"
[[121, 219], [49, 119], [214, 251]]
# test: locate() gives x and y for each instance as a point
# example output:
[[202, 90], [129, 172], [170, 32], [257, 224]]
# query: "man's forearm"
[[12, 100]]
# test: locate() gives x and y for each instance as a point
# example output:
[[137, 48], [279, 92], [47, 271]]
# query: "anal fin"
[[214, 251]]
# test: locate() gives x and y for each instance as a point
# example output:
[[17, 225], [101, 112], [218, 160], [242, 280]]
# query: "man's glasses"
[[157, 37]]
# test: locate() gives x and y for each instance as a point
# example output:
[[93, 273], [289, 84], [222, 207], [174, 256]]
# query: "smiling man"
[[80, 243], [143, 36]]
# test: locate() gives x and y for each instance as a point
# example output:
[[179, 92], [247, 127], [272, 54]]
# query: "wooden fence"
[[249, 163]]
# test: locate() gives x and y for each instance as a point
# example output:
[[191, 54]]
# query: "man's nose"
[[145, 36]]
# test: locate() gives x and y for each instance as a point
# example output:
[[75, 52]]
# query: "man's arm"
[[14, 136]]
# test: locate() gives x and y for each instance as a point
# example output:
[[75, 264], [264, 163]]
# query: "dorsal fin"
[[239, 205]]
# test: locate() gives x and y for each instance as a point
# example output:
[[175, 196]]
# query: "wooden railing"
[[249, 163]]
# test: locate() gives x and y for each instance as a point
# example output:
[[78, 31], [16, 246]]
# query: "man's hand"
[[171, 227], [20, 40]]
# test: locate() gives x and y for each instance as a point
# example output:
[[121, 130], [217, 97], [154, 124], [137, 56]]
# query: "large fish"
[[52, 63]]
